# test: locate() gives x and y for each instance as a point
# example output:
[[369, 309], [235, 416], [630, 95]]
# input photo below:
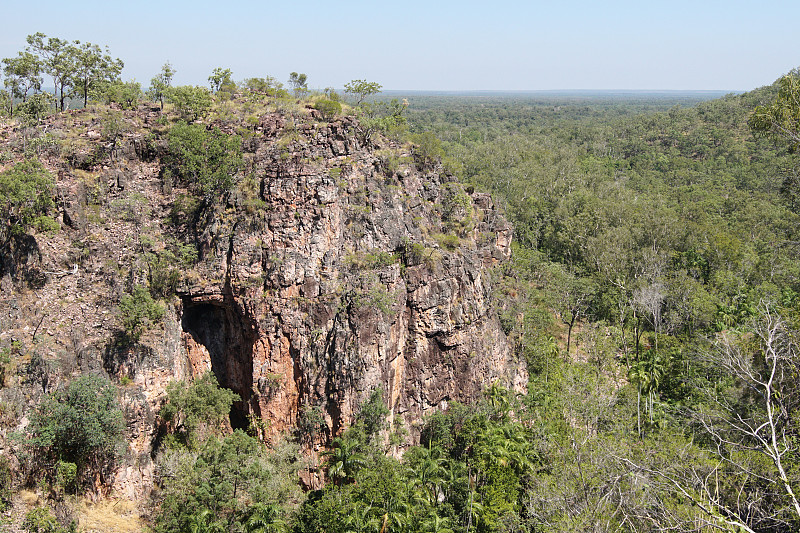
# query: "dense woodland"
[[654, 292]]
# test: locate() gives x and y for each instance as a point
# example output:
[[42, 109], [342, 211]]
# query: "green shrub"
[[228, 484], [124, 93], [186, 253], [165, 266], [37, 107], [66, 476], [6, 482], [205, 160], [113, 127], [268, 86], [46, 224], [25, 196], [373, 412], [193, 409], [132, 208], [41, 520], [163, 273], [81, 424], [184, 210], [416, 253], [448, 241], [388, 161], [374, 117], [5, 103], [428, 150], [310, 423], [191, 102], [139, 311], [42, 143], [376, 297], [328, 108], [370, 260], [5, 364]]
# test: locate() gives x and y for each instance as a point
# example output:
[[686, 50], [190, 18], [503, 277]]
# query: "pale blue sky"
[[436, 45]]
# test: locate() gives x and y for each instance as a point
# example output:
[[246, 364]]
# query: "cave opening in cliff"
[[229, 342]]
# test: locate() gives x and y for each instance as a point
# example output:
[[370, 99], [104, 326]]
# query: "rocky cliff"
[[330, 270]]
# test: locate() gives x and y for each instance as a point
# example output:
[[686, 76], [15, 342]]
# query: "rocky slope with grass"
[[328, 267]]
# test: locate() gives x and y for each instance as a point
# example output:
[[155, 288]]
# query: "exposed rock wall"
[[346, 269]]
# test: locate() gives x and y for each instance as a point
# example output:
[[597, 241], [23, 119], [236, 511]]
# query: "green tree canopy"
[[234, 481], [81, 423], [139, 311], [25, 196], [781, 118], [207, 160], [192, 103], [191, 407], [268, 85], [58, 58], [92, 67], [221, 79], [299, 83], [362, 89], [161, 83], [23, 74], [125, 93]]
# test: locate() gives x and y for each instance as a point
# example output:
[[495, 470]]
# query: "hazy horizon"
[[507, 46]]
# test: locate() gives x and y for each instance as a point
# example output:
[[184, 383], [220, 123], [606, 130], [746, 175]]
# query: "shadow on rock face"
[[227, 338], [20, 261]]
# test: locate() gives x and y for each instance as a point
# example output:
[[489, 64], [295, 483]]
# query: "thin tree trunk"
[[639, 410], [569, 334]]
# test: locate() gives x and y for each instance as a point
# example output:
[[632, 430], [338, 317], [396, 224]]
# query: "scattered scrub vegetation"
[[139, 311]]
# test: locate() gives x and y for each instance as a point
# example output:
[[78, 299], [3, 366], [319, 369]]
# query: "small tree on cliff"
[[25, 197], [160, 84], [139, 311], [206, 160], [299, 83], [197, 408], [81, 424], [362, 89]]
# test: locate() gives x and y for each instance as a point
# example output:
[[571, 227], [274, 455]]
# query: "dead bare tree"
[[762, 361], [739, 470]]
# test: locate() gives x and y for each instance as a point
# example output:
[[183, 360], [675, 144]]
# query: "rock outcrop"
[[336, 269]]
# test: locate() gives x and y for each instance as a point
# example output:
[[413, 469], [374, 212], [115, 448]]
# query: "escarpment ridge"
[[327, 269]]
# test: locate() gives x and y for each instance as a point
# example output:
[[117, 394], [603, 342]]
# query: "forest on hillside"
[[653, 292]]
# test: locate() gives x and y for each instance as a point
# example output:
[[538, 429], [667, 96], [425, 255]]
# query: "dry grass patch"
[[117, 515], [29, 498]]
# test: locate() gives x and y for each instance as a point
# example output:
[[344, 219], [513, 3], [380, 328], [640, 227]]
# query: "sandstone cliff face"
[[343, 269]]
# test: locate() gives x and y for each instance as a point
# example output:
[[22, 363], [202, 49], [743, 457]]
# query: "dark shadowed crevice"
[[228, 337]]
